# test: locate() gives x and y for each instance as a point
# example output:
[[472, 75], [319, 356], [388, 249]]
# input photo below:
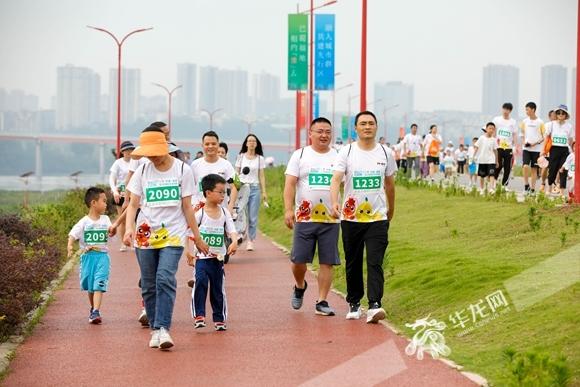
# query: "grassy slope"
[[11, 201], [446, 253]]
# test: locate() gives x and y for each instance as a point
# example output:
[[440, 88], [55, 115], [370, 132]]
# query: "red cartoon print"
[[303, 211], [349, 209], [142, 235]]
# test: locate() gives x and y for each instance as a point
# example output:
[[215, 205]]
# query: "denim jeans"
[[158, 283], [253, 209]]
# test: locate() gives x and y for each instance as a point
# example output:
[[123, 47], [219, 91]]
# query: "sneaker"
[[323, 309], [95, 317], [250, 246], [298, 296], [220, 326], [143, 319], [154, 342], [165, 341], [123, 248], [199, 322], [353, 311], [191, 282], [375, 313]]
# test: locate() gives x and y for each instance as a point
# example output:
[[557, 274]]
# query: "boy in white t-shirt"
[[472, 165], [213, 222], [92, 232], [486, 156]]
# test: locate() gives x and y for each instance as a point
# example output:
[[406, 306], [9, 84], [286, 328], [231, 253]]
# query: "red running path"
[[267, 342]]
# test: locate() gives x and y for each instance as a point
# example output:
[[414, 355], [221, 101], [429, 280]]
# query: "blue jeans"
[[158, 283], [253, 209]]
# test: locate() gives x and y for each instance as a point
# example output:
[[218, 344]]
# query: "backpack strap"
[[201, 217]]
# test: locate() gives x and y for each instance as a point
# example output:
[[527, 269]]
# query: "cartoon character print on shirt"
[[303, 211], [349, 209], [320, 213], [364, 212], [142, 235], [160, 238]]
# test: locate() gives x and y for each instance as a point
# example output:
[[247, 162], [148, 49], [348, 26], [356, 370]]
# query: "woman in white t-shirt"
[[250, 167], [562, 137], [117, 177]]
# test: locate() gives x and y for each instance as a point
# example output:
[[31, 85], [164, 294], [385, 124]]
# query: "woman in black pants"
[[562, 137]]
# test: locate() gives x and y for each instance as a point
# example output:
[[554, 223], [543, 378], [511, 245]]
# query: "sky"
[[439, 46]]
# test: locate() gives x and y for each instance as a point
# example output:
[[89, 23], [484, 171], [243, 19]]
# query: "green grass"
[[447, 252], [12, 201]]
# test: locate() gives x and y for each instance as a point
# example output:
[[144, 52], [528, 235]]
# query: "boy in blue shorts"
[[92, 233]]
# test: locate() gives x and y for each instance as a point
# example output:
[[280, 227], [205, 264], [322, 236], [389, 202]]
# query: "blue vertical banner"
[[324, 53], [316, 108]]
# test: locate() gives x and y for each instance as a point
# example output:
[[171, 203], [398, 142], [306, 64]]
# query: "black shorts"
[[530, 158], [432, 160], [485, 170], [121, 201]]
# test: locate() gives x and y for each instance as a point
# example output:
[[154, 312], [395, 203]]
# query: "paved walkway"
[[267, 343]]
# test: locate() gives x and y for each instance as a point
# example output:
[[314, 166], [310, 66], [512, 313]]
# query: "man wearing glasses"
[[307, 211], [368, 170]]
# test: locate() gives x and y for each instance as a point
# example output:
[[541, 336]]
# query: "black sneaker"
[[353, 311], [298, 296], [323, 309]]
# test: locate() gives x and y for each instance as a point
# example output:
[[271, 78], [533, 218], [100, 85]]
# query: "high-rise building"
[[207, 88], [78, 92], [130, 96], [186, 96], [393, 93], [265, 94], [554, 87], [232, 92], [501, 84]]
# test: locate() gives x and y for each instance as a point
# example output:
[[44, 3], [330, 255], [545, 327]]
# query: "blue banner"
[[316, 108], [324, 54]]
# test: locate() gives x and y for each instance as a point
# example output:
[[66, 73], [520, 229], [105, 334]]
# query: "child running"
[[92, 233], [486, 156], [214, 222]]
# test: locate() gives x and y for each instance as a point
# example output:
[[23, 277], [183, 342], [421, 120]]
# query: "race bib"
[[559, 140], [95, 236], [504, 133], [213, 240], [319, 180], [163, 193], [367, 183]]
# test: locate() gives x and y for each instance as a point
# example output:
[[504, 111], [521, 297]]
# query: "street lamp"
[[249, 123], [24, 178], [119, 45], [169, 97], [210, 115]]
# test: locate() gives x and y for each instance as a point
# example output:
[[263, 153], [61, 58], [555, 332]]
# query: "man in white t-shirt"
[[368, 170], [486, 157], [532, 134], [307, 211], [212, 163], [412, 148], [506, 130]]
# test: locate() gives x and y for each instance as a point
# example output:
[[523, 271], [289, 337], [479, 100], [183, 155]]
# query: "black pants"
[[461, 167], [505, 161], [558, 156], [355, 236]]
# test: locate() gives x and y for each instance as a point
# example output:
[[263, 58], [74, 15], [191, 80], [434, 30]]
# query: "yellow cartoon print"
[[320, 213], [364, 212], [160, 238]]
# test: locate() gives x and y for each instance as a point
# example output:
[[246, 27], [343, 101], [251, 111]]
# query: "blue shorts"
[[472, 168], [94, 271]]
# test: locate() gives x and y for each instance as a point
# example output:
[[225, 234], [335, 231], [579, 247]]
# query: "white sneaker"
[[375, 315], [154, 342], [165, 341], [143, 319], [123, 248], [353, 312], [250, 246]]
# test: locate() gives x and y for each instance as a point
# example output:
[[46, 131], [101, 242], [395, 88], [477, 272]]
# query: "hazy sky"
[[439, 46]]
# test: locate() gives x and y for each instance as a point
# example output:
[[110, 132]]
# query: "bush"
[[29, 261]]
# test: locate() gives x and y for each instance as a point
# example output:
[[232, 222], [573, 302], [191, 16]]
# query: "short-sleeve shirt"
[[92, 234], [505, 130], [560, 133], [532, 131], [486, 147], [570, 163], [364, 191], [314, 172], [432, 145], [202, 168], [135, 163], [412, 144], [213, 232], [254, 165], [120, 170], [161, 221]]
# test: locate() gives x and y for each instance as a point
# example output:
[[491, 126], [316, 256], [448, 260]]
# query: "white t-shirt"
[[460, 155], [254, 165], [119, 171], [135, 163], [432, 145], [570, 163], [412, 144], [202, 168], [448, 161], [505, 130], [92, 234], [560, 133], [471, 154], [364, 190], [314, 172], [449, 148], [213, 232], [532, 131], [485, 152], [161, 221]]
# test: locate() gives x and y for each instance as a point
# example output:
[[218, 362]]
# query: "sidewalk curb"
[[8, 348], [478, 379]]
